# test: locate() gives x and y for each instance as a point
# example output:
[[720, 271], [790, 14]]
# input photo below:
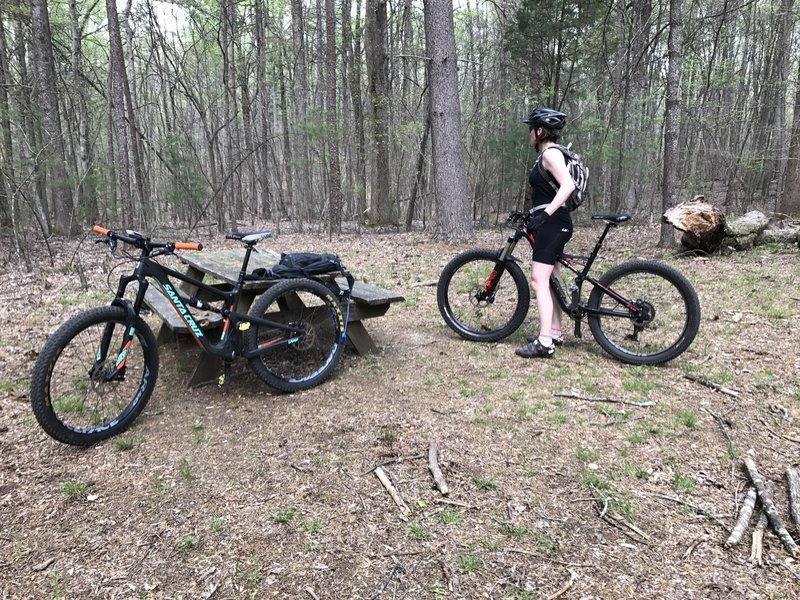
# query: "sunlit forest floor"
[[242, 492]]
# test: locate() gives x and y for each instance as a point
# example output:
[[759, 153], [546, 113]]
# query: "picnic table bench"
[[366, 302]]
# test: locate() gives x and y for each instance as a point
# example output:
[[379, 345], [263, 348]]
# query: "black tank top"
[[543, 193]]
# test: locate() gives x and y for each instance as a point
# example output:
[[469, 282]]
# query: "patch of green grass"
[[683, 484], [283, 517], [198, 428], [9, 386], [418, 532], [634, 381], [475, 351], [594, 481], [470, 563], [547, 545], [513, 531], [73, 405], [312, 526], [528, 410], [520, 595], [186, 470], [74, 488], [217, 524], [186, 544], [501, 374], [56, 589], [484, 484], [588, 386], [559, 418], [388, 435], [636, 471], [776, 313], [687, 418], [467, 388], [516, 396], [584, 454], [451, 516], [556, 373], [487, 408], [159, 483], [123, 444]]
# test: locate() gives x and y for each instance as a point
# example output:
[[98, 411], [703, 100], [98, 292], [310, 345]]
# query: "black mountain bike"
[[640, 312], [96, 373]]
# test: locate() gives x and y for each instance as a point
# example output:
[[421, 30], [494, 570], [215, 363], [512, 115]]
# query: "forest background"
[[301, 113]]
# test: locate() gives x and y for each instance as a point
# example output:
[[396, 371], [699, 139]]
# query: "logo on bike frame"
[[182, 310]]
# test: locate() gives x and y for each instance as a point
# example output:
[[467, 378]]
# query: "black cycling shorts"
[[551, 237]]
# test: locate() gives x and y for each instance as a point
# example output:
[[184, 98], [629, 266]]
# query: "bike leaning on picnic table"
[[96, 373], [641, 312]]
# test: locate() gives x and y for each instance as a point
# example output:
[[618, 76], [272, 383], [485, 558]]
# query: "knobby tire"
[[70, 398], [672, 313], [309, 360], [480, 320]]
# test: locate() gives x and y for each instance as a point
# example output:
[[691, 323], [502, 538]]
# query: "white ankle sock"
[[545, 340]]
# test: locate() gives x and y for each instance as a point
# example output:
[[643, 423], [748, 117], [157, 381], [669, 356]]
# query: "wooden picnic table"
[[221, 269]]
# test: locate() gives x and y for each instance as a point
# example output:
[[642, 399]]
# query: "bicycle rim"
[[78, 396], [307, 359], [466, 311], [670, 314]]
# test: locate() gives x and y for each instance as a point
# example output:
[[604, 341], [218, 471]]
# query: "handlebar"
[[143, 243]]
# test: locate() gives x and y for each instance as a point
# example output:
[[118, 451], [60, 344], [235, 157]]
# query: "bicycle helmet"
[[546, 117]]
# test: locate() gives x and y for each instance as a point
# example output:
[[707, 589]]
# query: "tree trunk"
[[453, 216], [117, 77], [51, 121], [352, 45], [672, 118], [381, 205], [334, 174], [301, 150], [7, 175], [790, 201]]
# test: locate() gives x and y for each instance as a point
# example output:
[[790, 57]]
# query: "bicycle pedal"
[[225, 376]]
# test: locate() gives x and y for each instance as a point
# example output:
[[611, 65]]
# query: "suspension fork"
[[499, 268]]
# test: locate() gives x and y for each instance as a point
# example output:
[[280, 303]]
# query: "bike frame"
[[571, 306], [229, 345]]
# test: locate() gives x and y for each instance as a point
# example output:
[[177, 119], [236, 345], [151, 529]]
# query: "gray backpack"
[[577, 170]]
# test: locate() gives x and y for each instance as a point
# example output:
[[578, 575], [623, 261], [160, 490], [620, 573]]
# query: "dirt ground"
[[245, 493]]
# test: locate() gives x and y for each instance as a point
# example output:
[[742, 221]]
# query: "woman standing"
[[552, 223]]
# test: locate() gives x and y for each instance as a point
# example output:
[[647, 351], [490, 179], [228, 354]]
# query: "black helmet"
[[546, 117]]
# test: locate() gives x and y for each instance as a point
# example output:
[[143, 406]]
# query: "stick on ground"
[[793, 477], [433, 466], [769, 506], [744, 518], [387, 483], [710, 384]]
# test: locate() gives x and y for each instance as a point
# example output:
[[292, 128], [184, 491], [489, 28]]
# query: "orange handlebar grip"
[[188, 246], [100, 230]]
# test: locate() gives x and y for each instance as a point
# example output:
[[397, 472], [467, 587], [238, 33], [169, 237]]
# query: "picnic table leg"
[[360, 338]]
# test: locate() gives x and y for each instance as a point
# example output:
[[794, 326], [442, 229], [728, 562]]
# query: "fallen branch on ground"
[[710, 384], [610, 400], [384, 479], [565, 587], [765, 496], [793, 477], [433, 467], [745, 513]]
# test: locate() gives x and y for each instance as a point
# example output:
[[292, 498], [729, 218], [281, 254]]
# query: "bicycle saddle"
[[248, 237], [612, 218]]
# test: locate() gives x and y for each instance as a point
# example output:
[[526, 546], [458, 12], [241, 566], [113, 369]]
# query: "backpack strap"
[[547, 174]]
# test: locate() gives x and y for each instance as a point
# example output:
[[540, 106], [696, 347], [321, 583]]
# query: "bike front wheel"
[[292, 363], [482, 299], [86, 386], [668, 313]]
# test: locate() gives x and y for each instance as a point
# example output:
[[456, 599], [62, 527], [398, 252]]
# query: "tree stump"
[[702, 224]]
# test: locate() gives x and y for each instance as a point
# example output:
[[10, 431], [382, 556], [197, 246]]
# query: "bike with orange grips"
[[97, 372]]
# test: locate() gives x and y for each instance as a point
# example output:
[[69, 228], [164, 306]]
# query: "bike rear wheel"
[[460, 296], [80, 397], [669, 313], [309, 359]]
